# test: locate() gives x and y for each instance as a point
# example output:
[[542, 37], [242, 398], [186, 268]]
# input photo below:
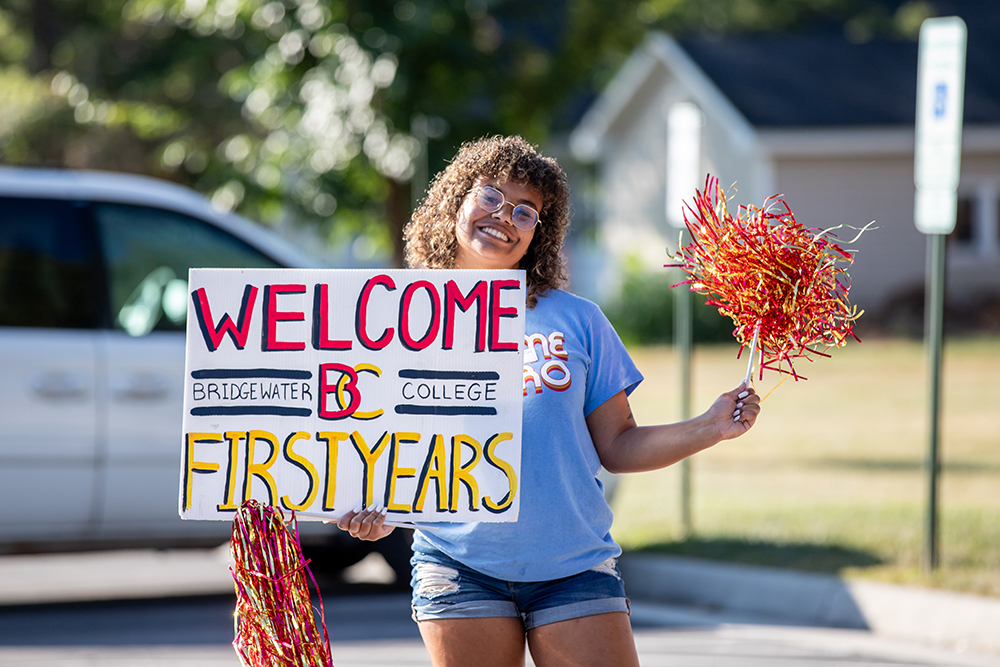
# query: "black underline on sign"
[[242, 373], [444, 410], [234, 410], [414, 374]]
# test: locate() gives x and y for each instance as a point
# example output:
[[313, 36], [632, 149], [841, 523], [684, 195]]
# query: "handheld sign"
[[322, 390]]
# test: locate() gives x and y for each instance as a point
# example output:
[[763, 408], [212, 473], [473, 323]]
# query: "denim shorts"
[[444, 588]]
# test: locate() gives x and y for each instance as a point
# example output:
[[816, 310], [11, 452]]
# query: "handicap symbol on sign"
[[940, 96]]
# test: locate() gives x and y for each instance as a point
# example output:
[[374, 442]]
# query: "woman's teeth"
[[496, 232]]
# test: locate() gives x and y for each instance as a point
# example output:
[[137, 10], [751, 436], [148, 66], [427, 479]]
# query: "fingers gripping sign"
[[366, 523]]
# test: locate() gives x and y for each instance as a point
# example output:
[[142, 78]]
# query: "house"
[[825, 122]]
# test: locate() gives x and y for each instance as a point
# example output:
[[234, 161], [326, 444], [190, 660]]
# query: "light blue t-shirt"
[[573, 362]]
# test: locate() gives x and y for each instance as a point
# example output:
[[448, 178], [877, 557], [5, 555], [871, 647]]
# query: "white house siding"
[[974, 270], [828, 192], [632, 173], [822, 191], [891, 260]]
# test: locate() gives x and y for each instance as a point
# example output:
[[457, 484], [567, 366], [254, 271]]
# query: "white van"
[[93, 301]]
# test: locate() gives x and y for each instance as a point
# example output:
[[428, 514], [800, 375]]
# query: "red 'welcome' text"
[[414, 328]]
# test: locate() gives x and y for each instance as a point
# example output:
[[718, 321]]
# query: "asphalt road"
[[370, 625]]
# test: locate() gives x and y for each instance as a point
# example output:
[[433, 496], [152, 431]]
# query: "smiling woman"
[[483, 592]]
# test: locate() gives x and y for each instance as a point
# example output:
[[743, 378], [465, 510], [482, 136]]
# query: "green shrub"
[[644, 313]]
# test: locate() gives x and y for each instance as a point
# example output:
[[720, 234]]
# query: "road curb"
[[954, 621]]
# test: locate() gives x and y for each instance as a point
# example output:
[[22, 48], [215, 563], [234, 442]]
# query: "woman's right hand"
[[366, 523]]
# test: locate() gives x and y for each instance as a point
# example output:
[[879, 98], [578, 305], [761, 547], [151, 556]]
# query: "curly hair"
[[430, 234]]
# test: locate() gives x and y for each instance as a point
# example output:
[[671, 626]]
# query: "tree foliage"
[[323, 112]]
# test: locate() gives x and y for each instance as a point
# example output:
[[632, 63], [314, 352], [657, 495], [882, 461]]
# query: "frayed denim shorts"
[[444, 588]]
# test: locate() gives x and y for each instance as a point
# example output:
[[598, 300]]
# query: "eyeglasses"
[[492, 200]]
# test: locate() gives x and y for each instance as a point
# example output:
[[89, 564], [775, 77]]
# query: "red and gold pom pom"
[[275, 620], [770, 275]]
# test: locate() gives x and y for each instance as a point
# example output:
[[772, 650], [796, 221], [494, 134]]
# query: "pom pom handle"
[[753, 350]]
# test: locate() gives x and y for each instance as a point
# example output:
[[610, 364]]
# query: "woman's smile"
[[493, 231]]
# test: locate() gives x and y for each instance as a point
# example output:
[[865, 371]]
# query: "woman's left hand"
[[735, 412], [365, 524]]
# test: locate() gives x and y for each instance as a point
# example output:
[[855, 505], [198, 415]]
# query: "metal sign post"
[[940, 94], [683, 160]]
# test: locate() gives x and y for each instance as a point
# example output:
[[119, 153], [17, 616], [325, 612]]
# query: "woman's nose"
[[502, 214]]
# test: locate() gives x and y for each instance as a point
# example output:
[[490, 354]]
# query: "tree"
[[265, 109], [320, 112]]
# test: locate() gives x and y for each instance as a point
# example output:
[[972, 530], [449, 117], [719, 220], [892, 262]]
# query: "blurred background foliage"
[[644, 313], [331, 115]]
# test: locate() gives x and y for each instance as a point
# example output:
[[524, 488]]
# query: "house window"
[[977, 223], [962, 235], [995, 229]]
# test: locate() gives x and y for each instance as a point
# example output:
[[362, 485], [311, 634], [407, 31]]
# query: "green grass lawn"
[[831, 478]]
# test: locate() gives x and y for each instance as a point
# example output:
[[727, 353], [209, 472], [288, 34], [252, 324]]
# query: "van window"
[[147, 254], [48, 266]]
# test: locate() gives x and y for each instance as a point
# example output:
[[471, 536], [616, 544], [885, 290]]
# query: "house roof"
[[639, 72], [788, 82], [794, 80], [798, 80], [806, 80]]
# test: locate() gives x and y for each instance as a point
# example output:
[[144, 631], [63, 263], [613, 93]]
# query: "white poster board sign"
[[320, 390]]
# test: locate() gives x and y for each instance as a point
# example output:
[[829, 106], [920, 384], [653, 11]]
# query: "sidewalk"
[[113, 575], [943, 619], [666, 590]]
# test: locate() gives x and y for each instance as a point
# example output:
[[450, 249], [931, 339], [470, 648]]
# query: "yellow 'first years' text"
[[448, 469]]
